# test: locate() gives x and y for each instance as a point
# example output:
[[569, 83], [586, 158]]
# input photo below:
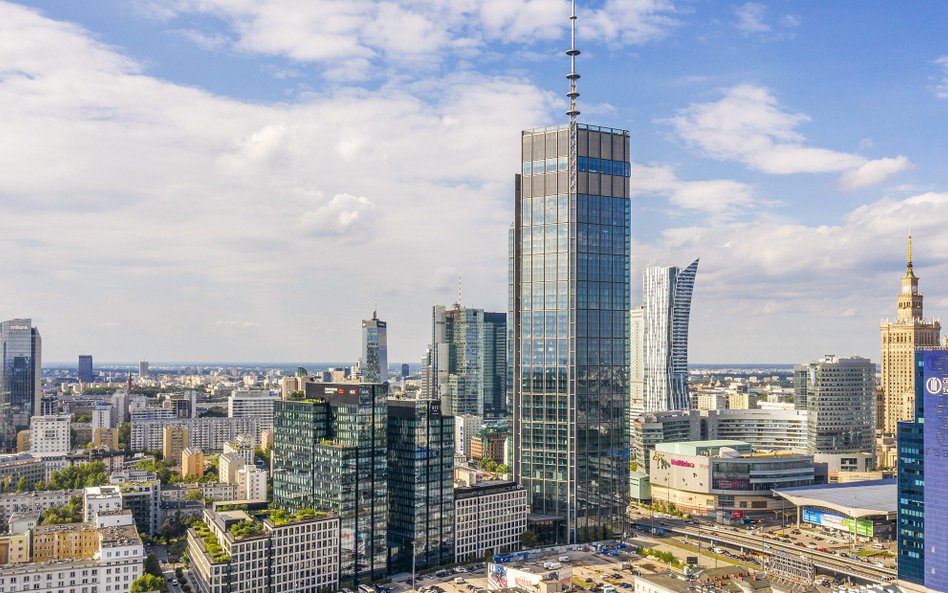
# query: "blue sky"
[[236, 180]]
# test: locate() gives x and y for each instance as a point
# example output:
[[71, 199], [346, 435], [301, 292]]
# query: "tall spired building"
[[900, 339], [569, 320], [374, 360]]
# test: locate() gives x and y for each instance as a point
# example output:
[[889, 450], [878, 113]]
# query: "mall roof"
[[855, 499]]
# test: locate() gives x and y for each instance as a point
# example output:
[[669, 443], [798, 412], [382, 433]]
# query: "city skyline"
[[795, 178]]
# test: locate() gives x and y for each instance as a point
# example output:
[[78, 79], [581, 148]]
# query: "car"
[[616, 575], [174, 581], [801, 544], [626, 585], [824, 550]]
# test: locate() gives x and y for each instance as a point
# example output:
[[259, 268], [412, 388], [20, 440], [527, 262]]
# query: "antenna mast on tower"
[[573, 76]]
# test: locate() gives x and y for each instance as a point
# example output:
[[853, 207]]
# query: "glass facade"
[[20, 378], [495, 365], [420, 484], [374, 350], [570, 334], [330, 454], [923, 477]]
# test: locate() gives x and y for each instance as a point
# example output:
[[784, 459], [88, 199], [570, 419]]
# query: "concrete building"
[[113, 562], [244, 403], [34, 503], [703, 477], [742, 401], [63, 542], [21, 371], [534, 576], [227, 466], [14, 466], [192, 463], [374, 361], [569, 298], [141, 494], [212, 490], [251, 483], [489, 517], [174, 440], [14, 548], [100, 499], [207, 434], [840, 404], [233, 552], [242, 447], [101, 416], [50, 436], [899, 340], [465, 430]]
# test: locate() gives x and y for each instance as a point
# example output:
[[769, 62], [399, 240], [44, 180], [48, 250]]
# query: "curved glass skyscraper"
[[20, 378]]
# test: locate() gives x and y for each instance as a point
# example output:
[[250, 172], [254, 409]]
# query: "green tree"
[[75, 477], [528, 539], [502, 468], [149, 582], [124, 435], [152, 566], [215, 412], [21, 485], [194, 495], [70, 512]]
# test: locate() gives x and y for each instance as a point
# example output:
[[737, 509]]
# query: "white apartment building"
[[100, 499], [33, 503], [488, 517], [466, 428], [151, 413], [101, 416], [118, 560], [206, 434], [49, 435], [251, 483], [212, 490], [266, 556], [242, 447], [244, 403], [227, 466]]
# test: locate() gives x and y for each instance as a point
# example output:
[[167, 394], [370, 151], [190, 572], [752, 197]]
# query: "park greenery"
[[246, 528], [281, 517], [211, 546], [493, 467], [71, 512], [75, 477], [666, 557], [7, 485], [149, 582], [167, 476]]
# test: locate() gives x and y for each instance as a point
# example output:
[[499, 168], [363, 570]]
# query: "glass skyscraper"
[[86, 371], [420, 484], [21, 372], [660, 336], [468, 363], [374, 350], [923, 477], [570, 255], [330, 454]]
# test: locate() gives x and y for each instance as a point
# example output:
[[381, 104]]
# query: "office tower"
[[86, 374], [374, 361], [330, 454], [923, 479], [252, 404], [570, 283], [420, 484], [405, 370], [50, 435], [468, 360], [637, 366], [143, 369], [21, 372], [899, 341], [663, 346], [174, 440], [840, 400]]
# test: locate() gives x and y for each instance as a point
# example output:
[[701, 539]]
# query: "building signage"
[[682, 463], [839, 522], [21, 327]]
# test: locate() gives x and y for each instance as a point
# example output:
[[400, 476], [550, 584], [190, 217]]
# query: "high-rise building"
[[86, 373], [21, 372], [252, 404], [50, 435], [192, 463], [174, 440], [405, 370], [661, 356], [840, 404], [330, 454], [468, 360], [143, 369], [374, 361], [101, 416], [570, 317], [923, 479], [420, 484], [899, 341], [637, 366]]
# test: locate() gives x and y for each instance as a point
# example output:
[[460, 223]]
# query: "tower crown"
[[573, 76]]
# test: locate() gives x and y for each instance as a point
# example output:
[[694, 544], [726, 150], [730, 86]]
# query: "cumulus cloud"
[[750, 18], [723, 198], [344, 215], [749, 125], [941, 80]]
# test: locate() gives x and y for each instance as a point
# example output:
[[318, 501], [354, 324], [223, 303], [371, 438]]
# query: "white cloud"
[[367, 38], [344, 215], [750, 18], [203, 40], [873, 172], [723, 198], [749, 125], [941, 80]]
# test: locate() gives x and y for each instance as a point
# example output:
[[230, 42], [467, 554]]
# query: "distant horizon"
[[320, 364]]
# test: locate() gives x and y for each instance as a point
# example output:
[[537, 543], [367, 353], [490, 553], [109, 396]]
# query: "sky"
[[236, 180]]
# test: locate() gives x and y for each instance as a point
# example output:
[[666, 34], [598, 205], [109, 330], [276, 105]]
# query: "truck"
[[564, 558], [458, 580]]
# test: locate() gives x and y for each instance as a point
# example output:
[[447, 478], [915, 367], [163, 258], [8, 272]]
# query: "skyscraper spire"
[[910, 248], [572, 52]]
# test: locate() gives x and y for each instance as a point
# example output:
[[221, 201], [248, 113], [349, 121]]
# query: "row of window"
[[583, 164]]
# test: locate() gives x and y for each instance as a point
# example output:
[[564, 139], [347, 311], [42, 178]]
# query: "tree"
[[148, 582], [502, 468], [75, 477], [528, 539], [70, 512], [152, 566], [194, 495], [21, 485], [124, 435], [215, 412]]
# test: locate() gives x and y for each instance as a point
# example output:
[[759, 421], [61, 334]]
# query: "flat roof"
[[854, 499], [689, 447]]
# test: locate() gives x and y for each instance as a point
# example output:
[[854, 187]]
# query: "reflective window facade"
[[374, 350], [330, 454], [20, 378], [570, 331], [420, 484]]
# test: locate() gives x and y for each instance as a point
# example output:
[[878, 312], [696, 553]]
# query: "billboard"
[[834, 521], [502, 576], [934, 386]]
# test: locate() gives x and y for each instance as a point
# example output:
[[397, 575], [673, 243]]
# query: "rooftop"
[[855, 499]]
